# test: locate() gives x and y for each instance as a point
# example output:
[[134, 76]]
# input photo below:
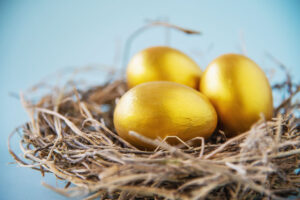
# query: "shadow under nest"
[[72, 136]]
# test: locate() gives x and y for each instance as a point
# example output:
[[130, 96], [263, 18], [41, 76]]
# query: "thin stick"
[[141, 30]]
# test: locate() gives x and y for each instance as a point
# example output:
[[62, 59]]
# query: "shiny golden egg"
[[163, 64], [239, 91], [161, 108]]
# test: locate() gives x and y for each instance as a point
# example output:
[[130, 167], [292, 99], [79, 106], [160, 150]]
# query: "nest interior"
[[71, 134]]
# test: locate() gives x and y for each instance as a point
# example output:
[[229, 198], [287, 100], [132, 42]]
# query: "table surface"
[[38, 38]]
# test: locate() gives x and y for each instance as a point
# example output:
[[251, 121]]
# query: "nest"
[[71, 135]]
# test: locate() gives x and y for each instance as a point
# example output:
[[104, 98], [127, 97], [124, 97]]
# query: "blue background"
[[38, 38]]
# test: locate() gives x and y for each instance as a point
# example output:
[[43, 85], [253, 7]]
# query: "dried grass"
[[70, 136]]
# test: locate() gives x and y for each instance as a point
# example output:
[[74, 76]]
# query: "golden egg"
[[163, 64], [239, 91], [161, 108]]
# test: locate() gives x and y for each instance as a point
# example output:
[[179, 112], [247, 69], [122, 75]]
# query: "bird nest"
[[71, 135]]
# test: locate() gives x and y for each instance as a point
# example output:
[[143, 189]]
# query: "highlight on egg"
[[163, 63], [239, 91], [159, 109]]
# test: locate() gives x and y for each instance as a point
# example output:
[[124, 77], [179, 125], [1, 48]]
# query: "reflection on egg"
[[160, 109], [163, 64], [239, 91]]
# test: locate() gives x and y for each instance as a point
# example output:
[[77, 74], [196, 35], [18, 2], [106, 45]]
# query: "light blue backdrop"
[[40, 37]]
